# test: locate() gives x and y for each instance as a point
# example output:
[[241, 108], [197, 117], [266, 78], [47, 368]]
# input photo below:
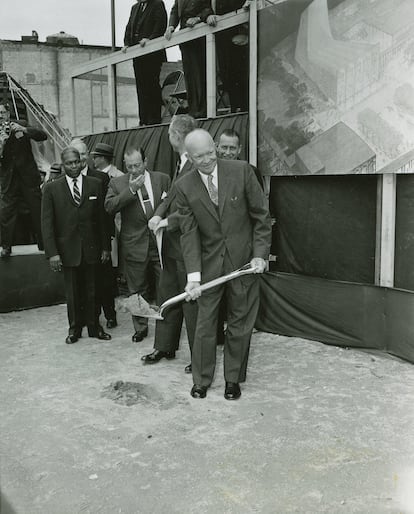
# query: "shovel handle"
[[208, 285]]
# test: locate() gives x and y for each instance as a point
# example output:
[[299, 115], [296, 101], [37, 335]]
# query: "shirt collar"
[[84, 171], [106, 170], [213, 174]]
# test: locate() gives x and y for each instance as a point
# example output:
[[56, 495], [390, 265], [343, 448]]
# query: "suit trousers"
[[147, 77], [80, 288], [168, 331], [242, 303], [194, 65], [233, 62], [143, 278], [10, 199], [107, 289]]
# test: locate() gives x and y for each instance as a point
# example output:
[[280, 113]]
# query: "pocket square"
[[234, 198], [93, 198], [164, 195]]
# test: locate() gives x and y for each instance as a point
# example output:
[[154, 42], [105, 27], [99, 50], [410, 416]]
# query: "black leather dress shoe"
[[156, 356], [103, 336], [111, 323], [6, 252], [139, 335], [71, 339], [188, 369], [198, 391], [232, 391]]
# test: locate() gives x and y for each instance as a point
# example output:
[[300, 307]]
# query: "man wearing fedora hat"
[[102, 159]]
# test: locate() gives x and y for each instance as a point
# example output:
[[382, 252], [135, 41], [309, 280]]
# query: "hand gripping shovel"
[[137, 306]]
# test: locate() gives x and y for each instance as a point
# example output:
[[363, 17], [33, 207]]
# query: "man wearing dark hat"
[[147, 21], [102, 159]]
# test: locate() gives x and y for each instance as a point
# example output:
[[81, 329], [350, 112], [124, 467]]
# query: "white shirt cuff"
[[194, 277]]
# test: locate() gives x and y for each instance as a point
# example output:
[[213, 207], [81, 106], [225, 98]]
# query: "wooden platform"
[[26, 280]]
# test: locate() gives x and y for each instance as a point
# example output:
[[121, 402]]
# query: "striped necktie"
[[76, 192], [212, 190], [149, 211]]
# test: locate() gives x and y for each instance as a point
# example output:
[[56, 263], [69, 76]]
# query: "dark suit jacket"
[[184, 9], [77, 234], [168, 209], [240, 226], [148, 24], [18, 159], [134, 236]]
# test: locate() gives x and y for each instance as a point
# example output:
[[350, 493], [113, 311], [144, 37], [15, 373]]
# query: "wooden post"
[[385, 238], [111, 71], [211, 74], [253, 84], [73, 96]]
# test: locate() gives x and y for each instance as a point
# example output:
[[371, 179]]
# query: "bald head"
[[201, 150]]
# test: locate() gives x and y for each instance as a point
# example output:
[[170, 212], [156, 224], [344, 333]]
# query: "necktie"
[[212, 190], [177, 169], [76, 192], [149, 211]]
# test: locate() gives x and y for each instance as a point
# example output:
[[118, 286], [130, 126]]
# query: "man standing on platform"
[[19, 177], [232, 47], [225, 224], [136, 195], [76, 240], [189, 14], [173, 275], [147, 21]]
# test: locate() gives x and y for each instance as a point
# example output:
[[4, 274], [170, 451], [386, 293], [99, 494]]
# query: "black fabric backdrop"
[[338, 313], [154, 140], [404, 233], [325, 226]]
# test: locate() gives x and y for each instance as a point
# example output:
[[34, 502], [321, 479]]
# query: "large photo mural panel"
[[336, 87]]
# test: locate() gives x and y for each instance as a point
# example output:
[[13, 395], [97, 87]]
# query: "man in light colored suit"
[[102, 156], [225, 223], [135, 196]]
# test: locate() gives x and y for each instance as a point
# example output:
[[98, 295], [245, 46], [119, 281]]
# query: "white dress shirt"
[[79, 183], [84, 171], [183, 160], [196, 275]]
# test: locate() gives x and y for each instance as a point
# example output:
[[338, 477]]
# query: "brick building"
[[43, 68]]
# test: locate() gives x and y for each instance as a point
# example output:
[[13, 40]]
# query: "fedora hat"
[[104, 150]]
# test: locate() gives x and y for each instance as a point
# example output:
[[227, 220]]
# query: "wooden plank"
[[112, 110], [180, 36], [253, 84], [211, 74], [73, 97], [385, 240]]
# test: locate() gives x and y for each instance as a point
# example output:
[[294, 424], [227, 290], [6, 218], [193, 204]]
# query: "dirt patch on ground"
[[131, 393]]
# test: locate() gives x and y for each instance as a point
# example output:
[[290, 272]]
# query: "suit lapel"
[[204, 196], [85, 190], [156, 189], [222, 180], [67, 191]]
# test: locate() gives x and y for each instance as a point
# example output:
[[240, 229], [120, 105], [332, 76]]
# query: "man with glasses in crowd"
[[135, 196]]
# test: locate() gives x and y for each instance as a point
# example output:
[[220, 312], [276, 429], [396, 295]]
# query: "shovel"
[[137, 306]]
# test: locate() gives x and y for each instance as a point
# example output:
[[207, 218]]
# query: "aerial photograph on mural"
[[336, 87]]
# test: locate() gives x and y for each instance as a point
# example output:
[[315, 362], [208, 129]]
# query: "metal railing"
[[182, 36]]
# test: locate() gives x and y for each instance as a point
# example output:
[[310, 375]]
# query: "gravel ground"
[[86, 428]]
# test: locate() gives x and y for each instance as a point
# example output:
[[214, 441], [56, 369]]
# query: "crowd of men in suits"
[[148, 20], [213, 217]]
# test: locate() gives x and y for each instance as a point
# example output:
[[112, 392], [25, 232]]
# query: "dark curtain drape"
[[154, 140]]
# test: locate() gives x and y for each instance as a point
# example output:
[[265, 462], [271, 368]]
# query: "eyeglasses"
[[135, 166]]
